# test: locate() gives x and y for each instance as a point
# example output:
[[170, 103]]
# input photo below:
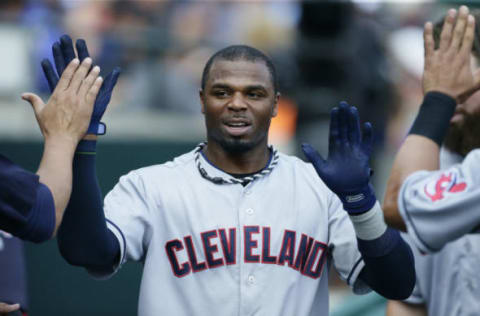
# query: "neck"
[[249, 161]]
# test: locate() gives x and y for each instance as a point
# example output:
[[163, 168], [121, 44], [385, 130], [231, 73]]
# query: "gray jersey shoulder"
[[447, 198], [447, 281]]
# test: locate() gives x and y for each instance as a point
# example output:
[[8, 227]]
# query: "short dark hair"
[[240, 52], [437, 31]]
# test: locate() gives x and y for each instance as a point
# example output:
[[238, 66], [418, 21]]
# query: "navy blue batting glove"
[[63, 54], [346, 171]]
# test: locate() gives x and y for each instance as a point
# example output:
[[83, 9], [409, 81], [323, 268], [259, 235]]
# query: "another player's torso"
[[249, 248], [449, 279]]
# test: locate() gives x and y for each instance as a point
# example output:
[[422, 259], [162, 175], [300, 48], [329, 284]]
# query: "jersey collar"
[[217, 176]]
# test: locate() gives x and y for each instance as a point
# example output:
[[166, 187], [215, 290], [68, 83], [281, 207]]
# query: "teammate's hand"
[[8, 308], [346, 171], [67, 113], [63, 54], [448, 68]]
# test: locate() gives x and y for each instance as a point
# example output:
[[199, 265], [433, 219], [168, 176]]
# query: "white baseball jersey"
[[448, 282], [227, 249]]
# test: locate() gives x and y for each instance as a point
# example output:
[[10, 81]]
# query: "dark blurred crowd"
[[325, 51]]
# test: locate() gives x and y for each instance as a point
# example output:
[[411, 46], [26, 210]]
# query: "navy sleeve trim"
[[18, 193], [353, 270], [41, 224], [124, 246]]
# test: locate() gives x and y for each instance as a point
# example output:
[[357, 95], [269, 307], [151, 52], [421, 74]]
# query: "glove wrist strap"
[[97, 128], [358, 201]]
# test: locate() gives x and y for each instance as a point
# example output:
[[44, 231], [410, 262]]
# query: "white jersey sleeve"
[[441, 206], [127, 213], [346, 257]]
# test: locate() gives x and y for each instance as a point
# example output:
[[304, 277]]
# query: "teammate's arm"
[[451, 195], [389, 266], [448, 80], [83, 237], [398, 308], [63, 122]]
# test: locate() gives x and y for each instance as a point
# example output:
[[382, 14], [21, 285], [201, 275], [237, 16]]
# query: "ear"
[[202, 102], [275, 104]]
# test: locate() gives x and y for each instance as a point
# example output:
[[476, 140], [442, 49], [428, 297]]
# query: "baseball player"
[[32, 205], [435, 192], [234, 227]]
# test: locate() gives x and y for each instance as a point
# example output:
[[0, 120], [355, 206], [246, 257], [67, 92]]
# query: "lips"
[[237, 127]]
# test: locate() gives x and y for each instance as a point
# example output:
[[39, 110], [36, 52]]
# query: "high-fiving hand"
[[63, 54], [448, 68], [66, 115], [346, 170]]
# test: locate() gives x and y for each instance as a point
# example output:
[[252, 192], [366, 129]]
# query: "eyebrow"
[[220, 86], [256, 87], [226, 86]]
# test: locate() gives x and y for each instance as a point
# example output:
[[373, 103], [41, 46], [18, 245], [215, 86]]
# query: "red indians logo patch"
[[446, 183]]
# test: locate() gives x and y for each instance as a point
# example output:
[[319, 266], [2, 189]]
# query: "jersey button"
[[249, 211], [251, 279], [248, 191]]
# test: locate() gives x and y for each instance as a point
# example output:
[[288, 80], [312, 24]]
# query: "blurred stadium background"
[[369, 53]]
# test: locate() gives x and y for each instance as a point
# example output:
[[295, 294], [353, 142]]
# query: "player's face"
[[238, 103], [462, 136], [472, 105]]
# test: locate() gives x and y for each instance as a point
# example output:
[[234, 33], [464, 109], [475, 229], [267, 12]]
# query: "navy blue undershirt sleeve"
[[83, 237], [18, 190], [41, 223], [389, 265], [27, 208]]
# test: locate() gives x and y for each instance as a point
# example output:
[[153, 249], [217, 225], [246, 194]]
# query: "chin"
[[234, 145]]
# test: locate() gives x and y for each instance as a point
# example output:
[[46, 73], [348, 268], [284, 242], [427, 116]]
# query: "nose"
[[237, 102]]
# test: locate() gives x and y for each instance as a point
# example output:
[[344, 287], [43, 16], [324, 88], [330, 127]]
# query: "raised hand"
[[448, 68], [346, 170], [63, 54], [66, 115]]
